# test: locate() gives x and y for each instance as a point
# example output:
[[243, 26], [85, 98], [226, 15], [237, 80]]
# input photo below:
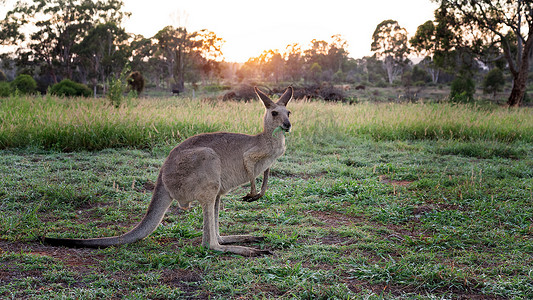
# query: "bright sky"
[[249, 27]]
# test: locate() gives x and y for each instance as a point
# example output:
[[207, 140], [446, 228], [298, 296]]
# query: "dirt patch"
[[271, 290], [335, 239], [184, 280], [148, 186], [83, 262], [333, 218], [359, 286], [79, 258]]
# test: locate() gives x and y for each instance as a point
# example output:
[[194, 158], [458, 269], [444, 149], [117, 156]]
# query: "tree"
[[337, 53], [425, 42], [186, 53], [171, 43], [293, 62], [47, 31], [330, 56], [207, 54], [314, 72], [390, 45], [272, 65], [511, 23], [374, 70], [208, 44], [145, 58], [321, 61], [103, 52]]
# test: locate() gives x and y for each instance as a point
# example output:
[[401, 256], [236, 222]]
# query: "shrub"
[[418, 74], [117, 88], [24, 83], [5, 89], [493, 82], [70, 88], [115, 92], [463, 88]]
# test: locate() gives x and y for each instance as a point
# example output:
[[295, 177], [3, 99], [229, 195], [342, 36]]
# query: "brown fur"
[[136, 82]]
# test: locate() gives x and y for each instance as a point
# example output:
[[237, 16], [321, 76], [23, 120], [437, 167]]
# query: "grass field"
[[370, 201]]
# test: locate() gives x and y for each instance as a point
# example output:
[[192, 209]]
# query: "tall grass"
[[391, 121], [91, 124]]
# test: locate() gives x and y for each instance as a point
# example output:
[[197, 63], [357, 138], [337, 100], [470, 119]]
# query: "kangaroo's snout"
[[286, 125]]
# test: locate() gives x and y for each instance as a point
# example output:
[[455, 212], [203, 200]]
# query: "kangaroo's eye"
[[289, 114], [274, 113]]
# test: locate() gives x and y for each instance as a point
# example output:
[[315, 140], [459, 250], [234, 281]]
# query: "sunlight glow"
[[251, 29]]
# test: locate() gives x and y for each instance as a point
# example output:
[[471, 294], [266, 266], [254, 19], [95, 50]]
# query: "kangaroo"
[[204, 168]]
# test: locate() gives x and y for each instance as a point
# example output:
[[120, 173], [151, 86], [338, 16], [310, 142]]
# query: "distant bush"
[[493, 82], [463, 89], [381, 83], [69, 88], [418, 74], [24, 84], [5, 89]]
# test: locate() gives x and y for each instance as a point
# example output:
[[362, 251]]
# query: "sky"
[[249, 27]]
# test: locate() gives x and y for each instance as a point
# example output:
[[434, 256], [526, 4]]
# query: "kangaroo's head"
[[276, 114]]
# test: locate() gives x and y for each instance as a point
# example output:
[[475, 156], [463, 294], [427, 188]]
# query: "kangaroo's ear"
[[286, 97], [266, 101]]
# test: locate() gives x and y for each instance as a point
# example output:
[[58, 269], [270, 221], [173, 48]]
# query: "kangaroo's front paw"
[[251, 198]]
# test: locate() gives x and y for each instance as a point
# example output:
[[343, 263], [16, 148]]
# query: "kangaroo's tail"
[[161, 200]]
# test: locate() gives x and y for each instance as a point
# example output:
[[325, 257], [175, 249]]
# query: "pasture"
[[370, 201]]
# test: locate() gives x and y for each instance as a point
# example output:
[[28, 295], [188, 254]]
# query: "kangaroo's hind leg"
[[195, 174], [210, 236], [231, 239]]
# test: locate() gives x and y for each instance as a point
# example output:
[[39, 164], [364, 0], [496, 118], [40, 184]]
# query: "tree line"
[[84, 41]]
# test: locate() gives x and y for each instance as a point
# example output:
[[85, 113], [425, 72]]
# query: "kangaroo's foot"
[[240, 250], [232, 239], [251, 197]]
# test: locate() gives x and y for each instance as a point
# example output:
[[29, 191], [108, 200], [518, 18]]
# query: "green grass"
[[91, 124], [358, 207]]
